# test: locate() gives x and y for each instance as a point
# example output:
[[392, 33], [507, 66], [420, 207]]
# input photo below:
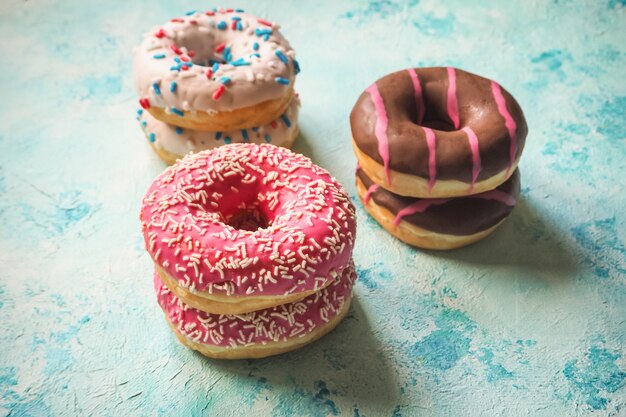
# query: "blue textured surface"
[[529, 322]]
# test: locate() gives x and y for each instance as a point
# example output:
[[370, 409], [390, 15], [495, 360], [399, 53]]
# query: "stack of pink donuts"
[[438, 150], [212, 78], [252, 249]]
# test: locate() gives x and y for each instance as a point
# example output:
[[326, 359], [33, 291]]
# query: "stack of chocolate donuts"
[[252, 246], [437, 152], [213, 78]]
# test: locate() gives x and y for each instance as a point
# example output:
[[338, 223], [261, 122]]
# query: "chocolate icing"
[[461, 216], [408, 150]]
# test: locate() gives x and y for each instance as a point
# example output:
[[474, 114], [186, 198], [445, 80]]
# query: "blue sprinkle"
[[255, 129], [179, 130], [158, 56], [157, 90], [226, 54], [263, 32], [296, 66], [215, 67], [225, 80], [175, 68], [239, 63], [173, 87], [268, 138], [218, 135], [281, 56], [222, 25], [255, 46], [190, 13], [238, 10], [256, 55], [152, 137], [178, 112], [266, 37], [177, 59], [236, 18], [144, 123], [244, 133], [139, 112], [227, 140], [285, 119], [187, 64], [239, 26], [281, 80]]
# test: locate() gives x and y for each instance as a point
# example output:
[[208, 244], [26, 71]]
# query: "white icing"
[[203, 37], [165, 136]]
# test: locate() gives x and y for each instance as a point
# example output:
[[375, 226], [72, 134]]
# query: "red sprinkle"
[[193, 22], [184, 58], [176, 50], [264, 22], [209, 73], [184, 67], [177, 20], [209, 13], [274, 124], [229, 10], [191, 53], [218, 93], [234, 25], [219, 48], [144, 103], [160, 33]]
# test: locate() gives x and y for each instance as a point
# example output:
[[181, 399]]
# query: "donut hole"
[[248, 218], [438, 124], [203, 48]]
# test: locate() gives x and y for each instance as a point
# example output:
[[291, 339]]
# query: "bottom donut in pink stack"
[[261, 333]]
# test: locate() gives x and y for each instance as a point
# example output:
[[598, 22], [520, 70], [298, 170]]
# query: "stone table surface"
[[529, 322]]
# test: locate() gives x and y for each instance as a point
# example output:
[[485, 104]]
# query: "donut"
[[439, 223], [247, 226], [173, 142], [262, 333], [218, 70], [437, 132]]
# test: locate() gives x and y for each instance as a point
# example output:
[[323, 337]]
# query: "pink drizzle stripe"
[[509, 122], [381, 127], [476, 166], [369, 192], [423, 205], [453, 107], [431, 141], [418, 207], [419, 98]]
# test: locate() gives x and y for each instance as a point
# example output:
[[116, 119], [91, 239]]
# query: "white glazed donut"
[[173, 142], [215, 71]]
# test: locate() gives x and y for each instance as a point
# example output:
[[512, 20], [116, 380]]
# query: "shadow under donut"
[[348, 366]]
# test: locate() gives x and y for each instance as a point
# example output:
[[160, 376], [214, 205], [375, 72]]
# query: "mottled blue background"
[[529, 322]]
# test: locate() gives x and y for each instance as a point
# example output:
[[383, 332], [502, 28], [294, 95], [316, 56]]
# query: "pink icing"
[[274, 324], [476, 166], [422, 205], [419, 98], [419, 206], [381, 127], [311, 228], [369, 192], [509, 122], [453, 107], [431, 142]]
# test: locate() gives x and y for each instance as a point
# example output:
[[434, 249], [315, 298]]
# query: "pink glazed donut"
[[247, 226], [260, 333]]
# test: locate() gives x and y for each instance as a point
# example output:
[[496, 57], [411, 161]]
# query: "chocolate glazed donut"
[[439, 223], [437, 132]]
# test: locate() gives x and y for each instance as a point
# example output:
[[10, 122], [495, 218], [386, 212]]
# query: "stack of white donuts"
[[214, 78]]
